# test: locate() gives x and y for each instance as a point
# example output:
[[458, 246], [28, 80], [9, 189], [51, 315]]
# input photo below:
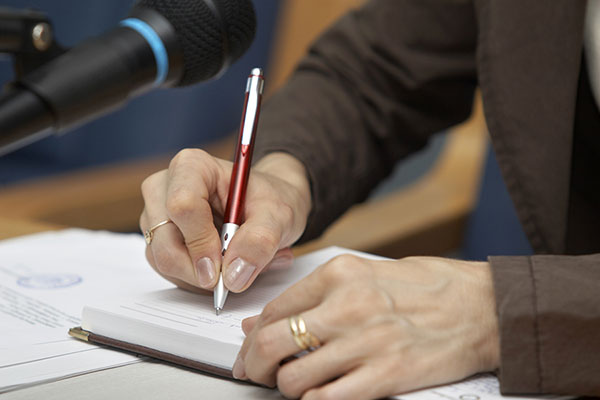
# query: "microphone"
[[162, 43]]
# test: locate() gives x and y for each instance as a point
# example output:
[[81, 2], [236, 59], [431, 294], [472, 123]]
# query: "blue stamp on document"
[[49, 281]]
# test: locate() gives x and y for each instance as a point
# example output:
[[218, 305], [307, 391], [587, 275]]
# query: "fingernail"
[[238, 273], [282, 262], [239, 370], [206, 271]]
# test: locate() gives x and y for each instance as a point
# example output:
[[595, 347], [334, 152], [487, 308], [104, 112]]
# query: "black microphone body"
[[96, 77]]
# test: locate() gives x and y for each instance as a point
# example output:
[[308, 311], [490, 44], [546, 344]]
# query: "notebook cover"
[[91, 337]]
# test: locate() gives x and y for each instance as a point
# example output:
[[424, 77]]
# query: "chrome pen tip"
[[217, 311]]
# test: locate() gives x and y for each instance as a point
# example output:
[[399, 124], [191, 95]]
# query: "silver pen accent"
[[220, 293]]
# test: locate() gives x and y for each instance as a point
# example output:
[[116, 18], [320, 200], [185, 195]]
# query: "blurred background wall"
[[90, 177]]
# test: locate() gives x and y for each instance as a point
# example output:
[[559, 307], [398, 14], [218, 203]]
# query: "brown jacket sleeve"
[[549, 318], [370, 91]]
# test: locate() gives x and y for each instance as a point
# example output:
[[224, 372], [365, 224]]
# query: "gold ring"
[[303, 338], [149, 233]]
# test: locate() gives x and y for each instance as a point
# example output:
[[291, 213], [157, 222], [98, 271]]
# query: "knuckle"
[[289, 381], [181, 203], [261, 238], [268, 313], [185, 156], [333, 270], [197, 160], [285, 212], [325, 393], [337, 268], [163, 263], [149, 184], [198, 246], [264, 342]]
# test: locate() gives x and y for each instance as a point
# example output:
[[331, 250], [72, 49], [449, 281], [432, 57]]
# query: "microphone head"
[[212, 34]]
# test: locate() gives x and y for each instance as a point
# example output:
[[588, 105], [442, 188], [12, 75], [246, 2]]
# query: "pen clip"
[[254, 89]]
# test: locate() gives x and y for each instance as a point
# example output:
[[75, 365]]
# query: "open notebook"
[[182, 328]]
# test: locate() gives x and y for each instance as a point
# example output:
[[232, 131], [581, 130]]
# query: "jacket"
[[385, 77]]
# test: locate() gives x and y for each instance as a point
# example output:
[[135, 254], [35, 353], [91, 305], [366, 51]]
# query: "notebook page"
[[478, 387], [171, 319]]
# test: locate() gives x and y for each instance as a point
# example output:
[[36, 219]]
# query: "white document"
[[479, 387], [66, 361], [45, 279]]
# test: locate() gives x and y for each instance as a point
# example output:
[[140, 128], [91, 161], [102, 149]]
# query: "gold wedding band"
[[149, 233], [303, 338]]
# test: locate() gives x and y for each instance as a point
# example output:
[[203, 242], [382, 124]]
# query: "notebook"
[[181, 327]]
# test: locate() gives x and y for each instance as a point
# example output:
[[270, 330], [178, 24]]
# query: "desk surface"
[[145, 380]]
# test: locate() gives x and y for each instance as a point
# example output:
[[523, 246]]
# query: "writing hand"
[[192, 193]]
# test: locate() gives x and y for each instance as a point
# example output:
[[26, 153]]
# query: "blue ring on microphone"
[[157, 46]]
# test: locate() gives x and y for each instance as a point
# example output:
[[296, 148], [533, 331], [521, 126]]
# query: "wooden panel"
[[95, 198], [10, 227], [299, 23]]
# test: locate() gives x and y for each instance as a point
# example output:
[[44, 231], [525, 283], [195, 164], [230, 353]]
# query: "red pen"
[[240, 173]]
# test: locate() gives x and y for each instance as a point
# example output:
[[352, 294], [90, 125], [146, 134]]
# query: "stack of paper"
[[45, 280]]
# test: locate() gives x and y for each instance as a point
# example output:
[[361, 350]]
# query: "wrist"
[[287, 168], [489, 351]]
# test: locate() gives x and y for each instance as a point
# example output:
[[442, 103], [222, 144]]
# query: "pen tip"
[[217, 311]]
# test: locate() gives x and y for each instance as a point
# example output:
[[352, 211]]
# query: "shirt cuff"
[[515, 294]]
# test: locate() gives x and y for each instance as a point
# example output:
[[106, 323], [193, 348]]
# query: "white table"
[[145, 380]]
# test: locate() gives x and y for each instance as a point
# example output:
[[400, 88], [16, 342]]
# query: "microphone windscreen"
[[241, 25], [212, 33]]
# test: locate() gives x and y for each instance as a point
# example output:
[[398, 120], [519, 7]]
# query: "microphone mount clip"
[[29, 36]]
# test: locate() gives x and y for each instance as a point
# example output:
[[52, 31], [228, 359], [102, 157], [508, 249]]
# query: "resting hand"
[[386, 327], [192, 193]]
